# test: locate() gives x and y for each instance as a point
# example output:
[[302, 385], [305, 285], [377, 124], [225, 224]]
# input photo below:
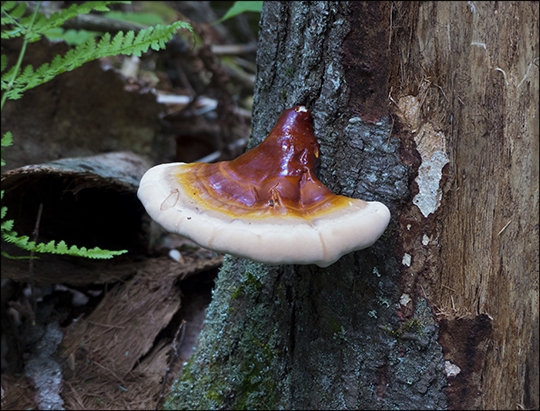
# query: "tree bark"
[[473, 68], [432, 109]]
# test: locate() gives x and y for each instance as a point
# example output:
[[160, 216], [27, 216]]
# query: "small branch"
[[233, 49], [35, 235], [177, 343], [504, 228]]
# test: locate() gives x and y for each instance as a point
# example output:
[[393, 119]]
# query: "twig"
[[440, 88], [105, 325], [177, 343], [392, 100], [76, 395], [424, 291], [390, 35], [35, 235], [504, 228], [234, 49], [108, 369], [461, 101], [184, 79]]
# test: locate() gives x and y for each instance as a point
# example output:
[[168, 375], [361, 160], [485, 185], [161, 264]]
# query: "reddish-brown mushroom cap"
[[267, 204]]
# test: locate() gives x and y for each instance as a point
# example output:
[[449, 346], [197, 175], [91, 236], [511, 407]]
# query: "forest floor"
[[114, 335]]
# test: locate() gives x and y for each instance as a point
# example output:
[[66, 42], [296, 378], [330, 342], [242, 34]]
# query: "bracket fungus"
[[266, 205]]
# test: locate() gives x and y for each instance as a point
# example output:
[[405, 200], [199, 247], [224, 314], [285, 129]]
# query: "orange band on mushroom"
[[277, 178]]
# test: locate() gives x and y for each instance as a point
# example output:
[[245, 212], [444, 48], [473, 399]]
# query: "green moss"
[[390, 331], [186, 373], [250, 284], [213, 396], [238, 292], [257, 390], [414, 325], [232, 368]]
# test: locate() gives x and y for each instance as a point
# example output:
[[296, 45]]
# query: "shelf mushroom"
[[266, 205]]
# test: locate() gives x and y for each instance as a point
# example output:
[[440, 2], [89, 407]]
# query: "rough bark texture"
[[473, 70], [455, 161]]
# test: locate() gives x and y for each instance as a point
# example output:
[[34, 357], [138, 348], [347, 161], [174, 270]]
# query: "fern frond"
[[7, 76], [10, 16], [18, 12], [7, 6], [15, 82], [43, 24], [8, 224], [60, 248], [24, 242], [12, 257], [154, 37], [9, 34], [7, 140]]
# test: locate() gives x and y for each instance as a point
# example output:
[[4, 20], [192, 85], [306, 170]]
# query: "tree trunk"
[[432, 109]]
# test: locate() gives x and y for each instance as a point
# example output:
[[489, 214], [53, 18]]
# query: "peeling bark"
[[472, 69]]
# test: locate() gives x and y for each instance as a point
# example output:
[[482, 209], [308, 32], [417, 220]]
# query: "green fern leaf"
[[155, 37], [57, 19], [128, 40], [104, 45], [51, 248], [62, 247], [19, 241], [117, 41], [7, 139], [24, 239], [8, 5], [13, 85], [7, 19], [42, 247], [7, 76], [87, 52], [14, 94], [12, 14], [19, 11], [28, 71], [8, 224], [8, 34], [11, 257]]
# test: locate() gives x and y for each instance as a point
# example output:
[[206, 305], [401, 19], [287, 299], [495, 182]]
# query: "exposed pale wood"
[[475, 67]]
